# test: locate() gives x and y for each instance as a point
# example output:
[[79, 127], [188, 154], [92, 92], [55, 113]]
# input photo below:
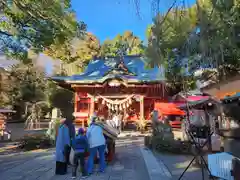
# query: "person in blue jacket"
[[97, 143], [79, 145]]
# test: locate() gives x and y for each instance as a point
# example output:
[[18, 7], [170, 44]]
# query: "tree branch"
[[6, 33], [169, 9]]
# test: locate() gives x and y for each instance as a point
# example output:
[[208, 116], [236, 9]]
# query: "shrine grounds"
[[132, 162]]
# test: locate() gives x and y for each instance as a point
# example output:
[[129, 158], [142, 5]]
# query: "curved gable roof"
[[101, 70]]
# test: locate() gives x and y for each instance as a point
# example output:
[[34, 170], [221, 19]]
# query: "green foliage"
[[204, 35], [33, 142], [167, 39], [33, 96], [127, 44], [219, 40], [4, 87], [36, 24], [169, 33], [61, 99], [76, 53], [26, 87], [170, 146], [77, 49]]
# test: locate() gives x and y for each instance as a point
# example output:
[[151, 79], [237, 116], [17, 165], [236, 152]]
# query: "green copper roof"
[[132, 70]]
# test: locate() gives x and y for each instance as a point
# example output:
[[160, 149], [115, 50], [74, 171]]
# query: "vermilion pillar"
[[141, 112], [76, 102], [92, 105]]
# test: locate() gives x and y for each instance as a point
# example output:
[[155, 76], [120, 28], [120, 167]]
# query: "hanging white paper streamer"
[[117, 102], [130, 101]]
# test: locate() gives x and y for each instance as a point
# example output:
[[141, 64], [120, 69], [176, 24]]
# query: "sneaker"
[[74, 177]]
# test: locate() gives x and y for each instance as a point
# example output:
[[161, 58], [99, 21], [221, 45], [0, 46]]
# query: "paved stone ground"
[[128, 164], [132, 162], [176, 164]]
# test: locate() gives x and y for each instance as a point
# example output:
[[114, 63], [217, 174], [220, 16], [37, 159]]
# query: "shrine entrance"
[[126, 107]]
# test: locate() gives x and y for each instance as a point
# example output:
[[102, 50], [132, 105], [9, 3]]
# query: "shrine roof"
[[131, 69]]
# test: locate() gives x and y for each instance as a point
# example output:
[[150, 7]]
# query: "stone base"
[[231, 140]]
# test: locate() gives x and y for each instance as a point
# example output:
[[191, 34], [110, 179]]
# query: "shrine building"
[[116, 85]]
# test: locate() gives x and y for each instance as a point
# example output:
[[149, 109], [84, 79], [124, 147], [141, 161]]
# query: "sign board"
[[220, 165]]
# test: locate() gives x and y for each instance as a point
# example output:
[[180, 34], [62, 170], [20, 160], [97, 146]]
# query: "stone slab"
[[156, 170]]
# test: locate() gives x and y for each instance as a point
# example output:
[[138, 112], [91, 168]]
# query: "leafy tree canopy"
[[188, 38], [127, 44], [36, 24], [76, 53]]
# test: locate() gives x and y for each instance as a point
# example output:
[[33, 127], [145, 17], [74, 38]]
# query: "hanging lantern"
[[124, 106], [108, 105], [127, 104], [120, 107], [116, 107]]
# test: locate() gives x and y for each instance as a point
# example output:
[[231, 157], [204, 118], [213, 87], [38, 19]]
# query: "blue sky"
[[107, 18]]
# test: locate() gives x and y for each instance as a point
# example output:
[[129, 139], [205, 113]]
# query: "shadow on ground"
[[177, 164]]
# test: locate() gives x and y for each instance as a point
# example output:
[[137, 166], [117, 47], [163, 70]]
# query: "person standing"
[[63, 140], [72, 134], [79, 145], [116, 120], [97, 143]]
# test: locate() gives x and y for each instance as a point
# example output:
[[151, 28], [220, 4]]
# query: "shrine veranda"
[[116, 84]]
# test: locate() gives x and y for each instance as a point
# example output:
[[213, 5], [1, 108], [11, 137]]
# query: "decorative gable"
[[120, 69]]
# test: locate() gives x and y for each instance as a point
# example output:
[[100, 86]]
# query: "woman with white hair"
[[97, 143]]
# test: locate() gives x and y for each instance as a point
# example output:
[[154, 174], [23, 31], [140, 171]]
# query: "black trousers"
[[79, 157], [67, 150], [61, 168]]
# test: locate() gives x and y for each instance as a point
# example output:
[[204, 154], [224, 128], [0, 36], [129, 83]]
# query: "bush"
[[170, 145], [32, 142]]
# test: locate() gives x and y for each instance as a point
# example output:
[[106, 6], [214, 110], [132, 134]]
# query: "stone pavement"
[[132, 162], [156, 169], [176, 164], [128, 164]]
